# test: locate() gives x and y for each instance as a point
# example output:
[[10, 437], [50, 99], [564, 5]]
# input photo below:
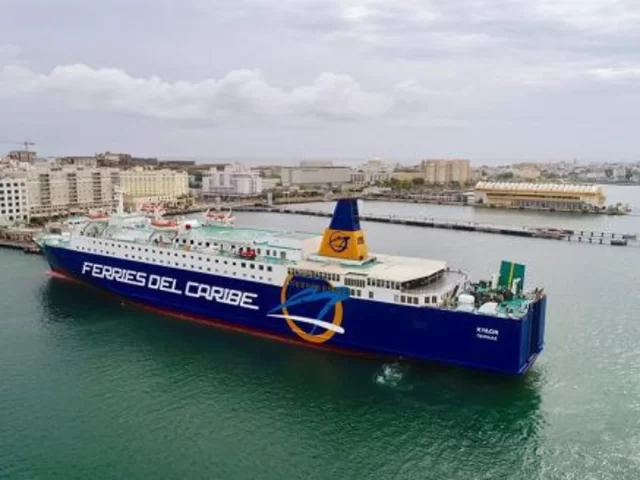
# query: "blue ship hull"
[[363, 326]]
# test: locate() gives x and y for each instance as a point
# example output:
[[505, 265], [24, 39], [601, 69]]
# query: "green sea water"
[[92, 389]]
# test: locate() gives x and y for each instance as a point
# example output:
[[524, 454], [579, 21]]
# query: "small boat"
[[98, 215], [32, 249], [215, 217], [164, 223]]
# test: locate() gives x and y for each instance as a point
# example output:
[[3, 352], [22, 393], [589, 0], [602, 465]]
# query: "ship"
[[325, 291]]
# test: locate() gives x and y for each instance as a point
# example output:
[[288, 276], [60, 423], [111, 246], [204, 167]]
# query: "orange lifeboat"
[[100, 215], [163, 223]]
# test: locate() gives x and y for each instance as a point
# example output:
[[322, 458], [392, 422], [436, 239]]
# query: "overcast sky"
[[489, 80]]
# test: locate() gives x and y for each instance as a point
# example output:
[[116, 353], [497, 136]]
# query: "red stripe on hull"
[[57, 273]]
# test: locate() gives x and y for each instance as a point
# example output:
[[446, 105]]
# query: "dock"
[[19, 239], [571, 235]]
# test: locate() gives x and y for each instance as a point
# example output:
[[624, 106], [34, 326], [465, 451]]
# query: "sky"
[[492, 81]]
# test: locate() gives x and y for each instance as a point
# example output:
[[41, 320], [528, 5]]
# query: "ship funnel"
[[344, 238]]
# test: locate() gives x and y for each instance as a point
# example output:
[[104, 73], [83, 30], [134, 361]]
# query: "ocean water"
[[91, 389]]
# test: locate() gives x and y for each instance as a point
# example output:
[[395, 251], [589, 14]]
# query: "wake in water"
[[391, 375]]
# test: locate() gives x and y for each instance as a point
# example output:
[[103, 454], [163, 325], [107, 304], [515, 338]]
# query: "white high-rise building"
[[14, 201], [235, 180], [64, 190]]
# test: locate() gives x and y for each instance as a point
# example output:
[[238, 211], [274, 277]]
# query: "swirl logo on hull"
[[314, 329]]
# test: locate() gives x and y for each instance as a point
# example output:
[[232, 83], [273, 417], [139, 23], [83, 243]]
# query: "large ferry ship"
[[326, 291]]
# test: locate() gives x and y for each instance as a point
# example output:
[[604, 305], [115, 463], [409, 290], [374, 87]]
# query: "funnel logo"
[[316, 328], [339, 242]]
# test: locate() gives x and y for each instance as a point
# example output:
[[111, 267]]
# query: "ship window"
[[283, 255], [261, 267], [243, 264], [225, 262], [252, 266], [268, 252], [208, 269], [402, 298], [191, 242], [434, 299], [426, 300], [269, 268], [234, 264], [184, 256], [259, 251], [370, 294], [207, 244]]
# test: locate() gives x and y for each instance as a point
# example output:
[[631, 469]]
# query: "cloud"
[[239, 92], [625, 73], [508, 71]]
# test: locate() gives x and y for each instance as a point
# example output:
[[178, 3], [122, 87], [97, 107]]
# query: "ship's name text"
[[227, 296], [487, 333]]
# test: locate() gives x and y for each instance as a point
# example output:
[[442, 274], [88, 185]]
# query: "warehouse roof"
[[538, 187]]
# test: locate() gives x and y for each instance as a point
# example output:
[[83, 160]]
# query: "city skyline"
[[484, 80]]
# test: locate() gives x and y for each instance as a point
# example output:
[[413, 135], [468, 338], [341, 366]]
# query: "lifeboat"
[[99, 215], [212, 217], [163, 223]]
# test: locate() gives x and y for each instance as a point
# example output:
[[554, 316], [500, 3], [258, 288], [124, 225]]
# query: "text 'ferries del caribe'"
[[324, 291]]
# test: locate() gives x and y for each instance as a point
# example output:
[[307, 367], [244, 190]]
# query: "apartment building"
[[141, 185], [14, 203], [63, 190], [234, 180]]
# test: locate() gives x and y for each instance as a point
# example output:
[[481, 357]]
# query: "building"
[[124, 160], [141, 185], [63, 190], [407, 174], [446, 172], [315, 174], [177, 164], [540, 196], [233, 180], [89, 162], [525, 172], [25, 156], [372, 172], [14, 201]]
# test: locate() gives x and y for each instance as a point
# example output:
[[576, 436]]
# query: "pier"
[[571, 235]]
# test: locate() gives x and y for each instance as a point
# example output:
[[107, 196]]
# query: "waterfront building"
[[315, 173], [372, 172], [232, 180], [64, 190], [155, 186], [446, 171], [540, 196], [14, 201], [407, 174]]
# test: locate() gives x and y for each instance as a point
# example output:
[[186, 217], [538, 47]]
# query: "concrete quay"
[[572, 235]]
